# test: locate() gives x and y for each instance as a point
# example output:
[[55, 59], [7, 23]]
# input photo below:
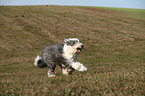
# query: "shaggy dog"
[[64, 54]]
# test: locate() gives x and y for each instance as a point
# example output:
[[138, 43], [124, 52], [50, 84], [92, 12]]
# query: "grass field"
[[134, 13], [114, 51]]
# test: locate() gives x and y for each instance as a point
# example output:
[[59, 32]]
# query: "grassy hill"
[[114, 50]]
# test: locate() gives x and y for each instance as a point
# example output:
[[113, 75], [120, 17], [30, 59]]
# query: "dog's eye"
[[72, 43], [76, 41]]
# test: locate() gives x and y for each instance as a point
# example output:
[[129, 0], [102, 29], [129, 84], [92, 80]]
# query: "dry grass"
[[114, 51]]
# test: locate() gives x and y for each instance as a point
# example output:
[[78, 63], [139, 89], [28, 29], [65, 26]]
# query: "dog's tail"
[[39, 62]]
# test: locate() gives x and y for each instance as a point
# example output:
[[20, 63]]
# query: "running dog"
[[64, 55]]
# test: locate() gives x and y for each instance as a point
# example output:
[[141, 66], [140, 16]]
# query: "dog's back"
[[53, 49], [51, 56]]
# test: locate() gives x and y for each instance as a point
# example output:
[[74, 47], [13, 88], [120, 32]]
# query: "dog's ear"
[[66, 40]]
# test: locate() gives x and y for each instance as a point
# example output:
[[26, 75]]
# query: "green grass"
[[114, 44], [134, 13]]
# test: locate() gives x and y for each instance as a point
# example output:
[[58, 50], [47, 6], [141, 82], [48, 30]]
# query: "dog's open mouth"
[[78, 50]]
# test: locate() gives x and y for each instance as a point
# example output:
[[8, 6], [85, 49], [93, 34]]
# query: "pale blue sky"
[[139, 4]]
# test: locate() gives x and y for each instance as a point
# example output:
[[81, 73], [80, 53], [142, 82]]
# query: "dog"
[[64, 55]]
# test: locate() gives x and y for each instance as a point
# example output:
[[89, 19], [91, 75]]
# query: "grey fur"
[[51, 56]]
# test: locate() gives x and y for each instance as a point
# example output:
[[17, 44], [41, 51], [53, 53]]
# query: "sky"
[[138, 4]]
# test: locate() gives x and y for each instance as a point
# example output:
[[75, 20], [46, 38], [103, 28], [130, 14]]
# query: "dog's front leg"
[[78, 66]]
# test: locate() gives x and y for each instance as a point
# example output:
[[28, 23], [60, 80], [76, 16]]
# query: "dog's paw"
[[51, 75], [82, 68]]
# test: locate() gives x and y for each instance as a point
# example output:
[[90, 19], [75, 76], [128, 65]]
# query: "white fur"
[[74, 39], [69, 51], [36, 60], [50, 74], [65, 71], [78, 45], [69, 54], [78, 66]]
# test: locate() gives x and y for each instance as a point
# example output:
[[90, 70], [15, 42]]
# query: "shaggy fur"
[[64, 55]]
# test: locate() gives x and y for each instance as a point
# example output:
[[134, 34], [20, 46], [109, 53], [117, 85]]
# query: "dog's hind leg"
[[70, 71], [64, 71], [51, 71], [67, 71]]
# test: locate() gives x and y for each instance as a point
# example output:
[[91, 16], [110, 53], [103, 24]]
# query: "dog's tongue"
[[78, 51]]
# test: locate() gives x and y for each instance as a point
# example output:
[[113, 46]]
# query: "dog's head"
[[74, 43]]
